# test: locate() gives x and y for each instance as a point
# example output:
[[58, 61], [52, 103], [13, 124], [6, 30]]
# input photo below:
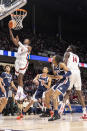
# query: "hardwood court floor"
[[35, 123]]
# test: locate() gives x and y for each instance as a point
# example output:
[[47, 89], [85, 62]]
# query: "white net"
[[2, 8], [18, 16]]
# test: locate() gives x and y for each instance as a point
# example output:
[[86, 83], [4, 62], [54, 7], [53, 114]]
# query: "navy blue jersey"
[[59, 71], [42, 87], [7, 79]]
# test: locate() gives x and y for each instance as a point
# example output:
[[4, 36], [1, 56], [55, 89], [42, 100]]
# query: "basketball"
[[12, 24]]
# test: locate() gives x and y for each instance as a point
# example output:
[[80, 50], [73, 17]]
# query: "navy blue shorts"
[[61, 97], [38, 94], [62, 87]]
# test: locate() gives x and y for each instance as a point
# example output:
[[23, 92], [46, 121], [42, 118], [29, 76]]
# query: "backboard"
[[7, 7]]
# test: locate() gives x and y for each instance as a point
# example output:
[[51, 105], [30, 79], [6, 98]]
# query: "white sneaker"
[[84, 116], [22, 97]]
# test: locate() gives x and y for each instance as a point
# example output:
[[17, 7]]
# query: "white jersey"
[[73, 61], [22, 53]]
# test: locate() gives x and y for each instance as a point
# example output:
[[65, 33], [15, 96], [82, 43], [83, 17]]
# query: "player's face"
[[45, 70], [8, 69], [26, 41]]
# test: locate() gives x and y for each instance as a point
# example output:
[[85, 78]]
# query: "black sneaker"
[[55, 117]]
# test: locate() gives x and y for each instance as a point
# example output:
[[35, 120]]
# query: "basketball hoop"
[[18, 16]]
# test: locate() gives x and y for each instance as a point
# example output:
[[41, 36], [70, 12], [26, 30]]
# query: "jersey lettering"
[[74, 59]]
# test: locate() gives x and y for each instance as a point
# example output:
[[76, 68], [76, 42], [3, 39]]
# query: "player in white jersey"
[[72, 62], [21, 62]]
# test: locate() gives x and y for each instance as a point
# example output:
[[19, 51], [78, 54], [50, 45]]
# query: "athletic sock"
[[18, 89], [21, 89], [84, 110]]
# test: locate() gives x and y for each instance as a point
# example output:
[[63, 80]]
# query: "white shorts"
[[21, 66], [75, 80]]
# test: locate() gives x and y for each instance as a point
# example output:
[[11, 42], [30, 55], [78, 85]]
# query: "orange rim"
[[22, 10]]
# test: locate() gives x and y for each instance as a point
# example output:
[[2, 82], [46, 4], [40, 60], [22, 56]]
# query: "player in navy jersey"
[[43, 82], [61, 74], [7, 79], [3, 100]]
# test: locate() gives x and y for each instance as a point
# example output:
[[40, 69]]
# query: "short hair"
[[73, 48], [58, 58], [6, 66]]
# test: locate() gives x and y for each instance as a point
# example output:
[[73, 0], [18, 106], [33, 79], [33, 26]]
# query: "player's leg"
[[3, 102], [69, 105], [17, 97], [80, 96], [22, 71], [36, 96], [66, 97], [55, 105], [48, 95], [60, 89], [28, 106], [47, 100]]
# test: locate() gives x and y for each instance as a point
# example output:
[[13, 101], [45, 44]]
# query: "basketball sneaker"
[[84, 116], [19, 117], [55, 117]]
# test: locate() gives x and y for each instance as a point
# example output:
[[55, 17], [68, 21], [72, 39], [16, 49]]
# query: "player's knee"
[[54, 97], [79, 92], [20, 77], [46, 95], [5, 100]]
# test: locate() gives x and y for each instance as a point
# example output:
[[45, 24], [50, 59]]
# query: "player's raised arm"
[[54, 72], [15, 40], [35, 81], [29, 49]]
